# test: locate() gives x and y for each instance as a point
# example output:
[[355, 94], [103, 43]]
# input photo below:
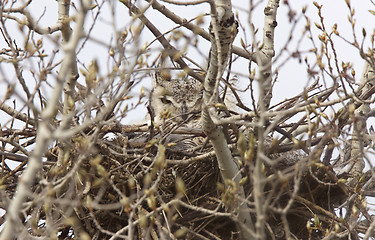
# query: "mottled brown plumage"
[[176, 99]]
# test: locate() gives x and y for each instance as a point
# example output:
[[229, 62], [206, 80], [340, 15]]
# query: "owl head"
[[175, 98]]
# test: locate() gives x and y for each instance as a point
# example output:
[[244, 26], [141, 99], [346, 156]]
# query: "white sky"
[[292, 76]]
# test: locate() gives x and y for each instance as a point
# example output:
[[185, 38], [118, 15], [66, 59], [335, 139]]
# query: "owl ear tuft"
[[162, 76]]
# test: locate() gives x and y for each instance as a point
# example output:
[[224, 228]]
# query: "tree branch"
[[222, 32], [13, 224], [194, 28], [172, 51], [266, 53], [359, 127]]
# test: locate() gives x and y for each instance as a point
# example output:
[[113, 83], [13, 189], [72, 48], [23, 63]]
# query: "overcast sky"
[[292, 76]]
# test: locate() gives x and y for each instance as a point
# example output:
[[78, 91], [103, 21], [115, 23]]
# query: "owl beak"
[[184, 111]]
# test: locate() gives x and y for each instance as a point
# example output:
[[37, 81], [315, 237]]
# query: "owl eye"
[[164, 100]]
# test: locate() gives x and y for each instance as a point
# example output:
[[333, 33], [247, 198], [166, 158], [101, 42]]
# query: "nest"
[[131, 185]]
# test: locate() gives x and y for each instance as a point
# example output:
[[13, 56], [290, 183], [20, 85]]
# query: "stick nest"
[[118, 182]]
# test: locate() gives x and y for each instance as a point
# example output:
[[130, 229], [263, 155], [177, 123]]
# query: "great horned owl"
[[176, 99]]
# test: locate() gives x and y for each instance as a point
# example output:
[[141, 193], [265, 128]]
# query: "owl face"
[[175, 98]]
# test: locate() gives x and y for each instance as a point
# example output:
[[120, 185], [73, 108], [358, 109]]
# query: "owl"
[[177, 100]]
